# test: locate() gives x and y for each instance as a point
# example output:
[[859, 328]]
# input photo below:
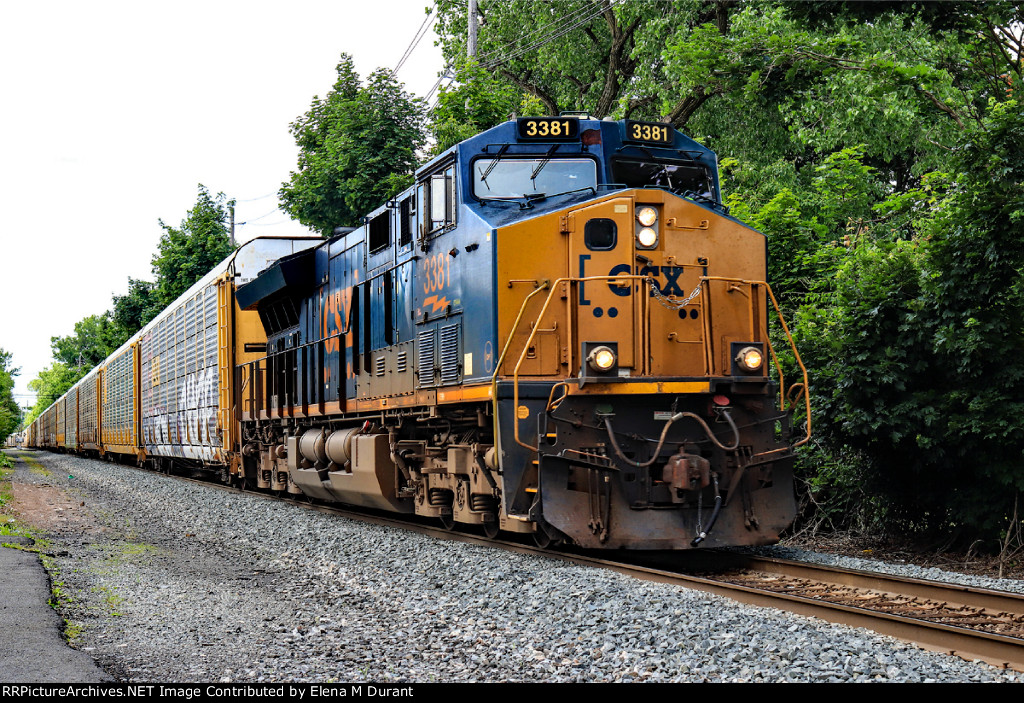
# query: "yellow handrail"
[[792, 345], [526, 346]]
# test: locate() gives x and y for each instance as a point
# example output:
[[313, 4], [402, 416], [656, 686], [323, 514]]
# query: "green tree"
[[357, 148], [877, 145], [51, 383], [10, 413], [187, 253], [568, 54], [91, 343], [475, 102], [133, 310], [915, 343]]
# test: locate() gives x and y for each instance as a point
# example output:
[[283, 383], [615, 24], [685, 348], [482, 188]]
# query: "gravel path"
[[175, 582]]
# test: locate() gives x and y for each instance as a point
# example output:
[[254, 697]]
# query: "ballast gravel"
[[179, 582]]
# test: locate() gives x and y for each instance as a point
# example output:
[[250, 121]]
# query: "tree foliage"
[[91, 343], [133, 310], [188, 252], [474, 102], [357, 149], [10, 413], [51, 383]]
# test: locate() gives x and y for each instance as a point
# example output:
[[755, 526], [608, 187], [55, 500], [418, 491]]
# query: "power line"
[[251, 200], [268, 224], [575, 19], [437, 85], [250, 220], [489, 56], [546, 40], [428, 22]]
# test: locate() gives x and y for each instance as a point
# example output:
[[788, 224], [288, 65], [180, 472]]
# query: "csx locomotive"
[[558, 331]]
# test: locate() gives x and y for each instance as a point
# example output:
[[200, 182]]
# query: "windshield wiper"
[[542, 164], [490, 166]]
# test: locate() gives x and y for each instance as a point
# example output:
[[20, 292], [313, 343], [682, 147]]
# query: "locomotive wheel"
[[541, 538], [491, 529], [546, 537], [448, 521]]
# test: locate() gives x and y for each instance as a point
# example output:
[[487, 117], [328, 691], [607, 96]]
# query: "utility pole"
[[471, 21], [231, 207]]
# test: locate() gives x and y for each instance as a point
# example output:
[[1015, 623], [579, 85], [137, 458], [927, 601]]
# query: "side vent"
[[425, 357], [450, 354], [379, 365], [403, 362]]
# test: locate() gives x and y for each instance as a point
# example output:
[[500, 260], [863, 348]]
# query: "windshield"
[[515, 178], [679, 177]]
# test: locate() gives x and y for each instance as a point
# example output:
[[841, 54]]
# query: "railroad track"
[[972, 623]]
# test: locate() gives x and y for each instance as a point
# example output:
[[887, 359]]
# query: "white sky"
[[112, 112]]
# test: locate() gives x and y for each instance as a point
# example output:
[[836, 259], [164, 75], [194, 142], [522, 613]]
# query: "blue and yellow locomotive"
[[558, 330]]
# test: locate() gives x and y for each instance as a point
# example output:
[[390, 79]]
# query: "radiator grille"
[[425, 358], [450, 354]]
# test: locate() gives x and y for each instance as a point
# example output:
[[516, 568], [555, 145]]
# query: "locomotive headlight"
[[750, 358], [647, 216], [647, 238], [601, 359]]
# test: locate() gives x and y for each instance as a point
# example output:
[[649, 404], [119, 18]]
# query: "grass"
[[35, 466], [110, 598], [8, 524], [128, 549], [6, 471]]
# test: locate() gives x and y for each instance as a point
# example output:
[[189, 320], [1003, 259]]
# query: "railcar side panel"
[[60, 422], [179, 380], [71, 419], [119, 411], [89, 412]]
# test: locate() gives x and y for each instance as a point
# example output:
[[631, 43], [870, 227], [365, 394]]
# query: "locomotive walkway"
[[32, 649]]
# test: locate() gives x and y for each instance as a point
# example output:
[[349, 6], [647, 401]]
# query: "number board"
[[649, 132], [548, 129]]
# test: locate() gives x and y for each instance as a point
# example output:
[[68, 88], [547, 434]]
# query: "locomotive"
[[558, 330]]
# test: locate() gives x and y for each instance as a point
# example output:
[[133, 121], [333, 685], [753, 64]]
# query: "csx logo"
[[671, 275]]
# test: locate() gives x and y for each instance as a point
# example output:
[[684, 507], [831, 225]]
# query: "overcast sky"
[[111, 114]]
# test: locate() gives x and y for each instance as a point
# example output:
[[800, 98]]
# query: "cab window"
[[441, 199]]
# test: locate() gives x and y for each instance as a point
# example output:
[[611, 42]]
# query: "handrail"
[[522, 355], [497, 366], [792, 345]]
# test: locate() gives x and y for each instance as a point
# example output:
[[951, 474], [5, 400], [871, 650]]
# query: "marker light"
[[750, 358], [647, 216], [647, 237], [601, 359]]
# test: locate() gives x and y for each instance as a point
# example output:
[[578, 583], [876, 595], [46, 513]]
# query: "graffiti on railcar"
[[197, 400]]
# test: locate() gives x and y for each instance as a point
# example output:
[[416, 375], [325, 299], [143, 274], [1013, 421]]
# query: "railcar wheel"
[[491, 529]]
